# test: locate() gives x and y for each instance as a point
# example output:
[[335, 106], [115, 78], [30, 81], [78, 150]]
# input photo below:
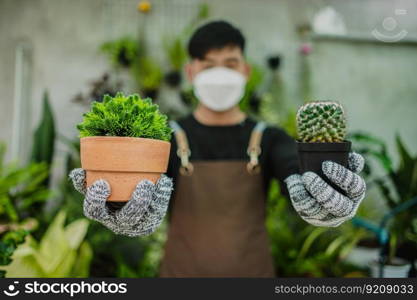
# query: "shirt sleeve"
[[283, 157], [172, 171]]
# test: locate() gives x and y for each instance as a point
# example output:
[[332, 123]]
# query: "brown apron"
[[217, 221]]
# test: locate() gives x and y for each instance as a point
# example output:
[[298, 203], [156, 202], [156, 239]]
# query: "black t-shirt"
[[278, 158]]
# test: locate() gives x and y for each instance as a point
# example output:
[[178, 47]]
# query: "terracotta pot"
[[123, 162]]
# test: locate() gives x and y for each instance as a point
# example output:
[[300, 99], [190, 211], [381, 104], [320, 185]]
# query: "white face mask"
[[219, 88]]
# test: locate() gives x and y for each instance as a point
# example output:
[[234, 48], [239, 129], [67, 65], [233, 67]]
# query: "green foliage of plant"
[[147, 256], [175, 50], [44, 137], [128, 116], [321, 121], [153, 252], [397, 184], [147, 73], [313, 251], [126, 53], [175, 45], [21, 188], [203, 13], [8, 245], [285, 119], [62, 252], [122, 52], [24, 189], [255, 79]]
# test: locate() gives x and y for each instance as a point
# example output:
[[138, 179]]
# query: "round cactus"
[[321, 122]]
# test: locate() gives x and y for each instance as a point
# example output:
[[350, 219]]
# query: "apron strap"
[[183, 151], [254, 148]]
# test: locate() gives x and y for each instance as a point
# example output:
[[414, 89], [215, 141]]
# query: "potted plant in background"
[[124, 139], [321, 127], [398, 189]]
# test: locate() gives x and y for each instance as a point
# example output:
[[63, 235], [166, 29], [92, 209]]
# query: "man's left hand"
[[321, 205]]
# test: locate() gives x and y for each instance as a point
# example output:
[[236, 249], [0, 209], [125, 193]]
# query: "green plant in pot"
[[124, 140], [321, 127]]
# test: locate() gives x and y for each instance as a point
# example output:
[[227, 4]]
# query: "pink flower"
[[306, 48]]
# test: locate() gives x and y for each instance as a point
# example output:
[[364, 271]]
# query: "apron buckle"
[[253, 166], [187, 170]]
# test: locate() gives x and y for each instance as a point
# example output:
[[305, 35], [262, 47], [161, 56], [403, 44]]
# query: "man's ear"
[[189, 72], [247, 70]]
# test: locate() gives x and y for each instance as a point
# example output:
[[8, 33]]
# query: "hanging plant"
[[250, 101], [177, 56], [274, 62], [148, 74], [122, 52], [175, 47], [98, 88]]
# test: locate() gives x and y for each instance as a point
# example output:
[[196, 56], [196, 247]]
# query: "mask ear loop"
[[254, 149]]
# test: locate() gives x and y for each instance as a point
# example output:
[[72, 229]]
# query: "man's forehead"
[[226, 53]]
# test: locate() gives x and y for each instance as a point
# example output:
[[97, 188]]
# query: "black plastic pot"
[[312, 155]]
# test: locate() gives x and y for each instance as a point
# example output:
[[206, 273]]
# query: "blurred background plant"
[[21, 189], [398, 189], [313, 251], [61, 252]]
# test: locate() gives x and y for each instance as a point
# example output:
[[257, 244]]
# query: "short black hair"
[[214, 35]]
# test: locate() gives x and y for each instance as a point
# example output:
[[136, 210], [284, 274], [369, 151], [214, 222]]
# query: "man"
[[222, 163]]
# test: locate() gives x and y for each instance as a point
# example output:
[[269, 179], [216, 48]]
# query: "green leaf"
[[405, 157], [8, 208], [75, 232], [81, 268], [53, 257], [23, 263], [44, 139], [54, 246], [64, 267]]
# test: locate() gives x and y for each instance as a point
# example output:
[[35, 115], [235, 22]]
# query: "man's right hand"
[[141, 215]]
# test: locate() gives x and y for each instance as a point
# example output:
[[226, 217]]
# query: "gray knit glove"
[[141, 215], [321, 205]]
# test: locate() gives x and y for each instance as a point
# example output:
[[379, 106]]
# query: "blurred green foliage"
[[44, 137], [62, 252], [255, 79], [147, 73], [24, 189], [175, 45], [122, 52], [313, 251], [21, 188], [8, 244], [397, 186]]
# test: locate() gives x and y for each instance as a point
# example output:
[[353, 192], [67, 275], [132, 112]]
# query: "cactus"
[[321, 122]]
